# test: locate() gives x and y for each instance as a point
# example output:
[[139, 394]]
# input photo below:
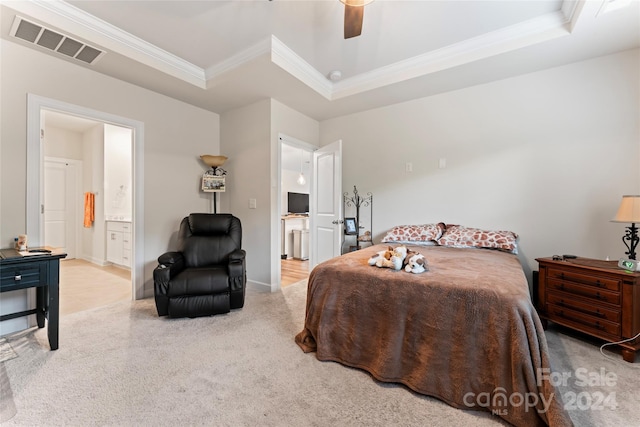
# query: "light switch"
[[252, 203], [442, 163], [408, 167]]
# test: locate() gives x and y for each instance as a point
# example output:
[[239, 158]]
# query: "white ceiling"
[[221, 55]]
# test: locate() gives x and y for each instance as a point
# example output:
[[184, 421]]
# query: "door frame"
[[275, 255], [35, 175]]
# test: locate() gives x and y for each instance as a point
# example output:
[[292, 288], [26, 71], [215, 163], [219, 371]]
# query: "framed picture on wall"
[[212, 183], [350, 226]]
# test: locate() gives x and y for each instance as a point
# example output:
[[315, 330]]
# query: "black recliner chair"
[[207, 274]]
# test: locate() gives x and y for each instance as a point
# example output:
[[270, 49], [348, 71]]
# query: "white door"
[[60, 205], [326, 204]]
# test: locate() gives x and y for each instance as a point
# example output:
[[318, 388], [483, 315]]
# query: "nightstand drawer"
[[13, 277], [583, 305], [583, 279], [586, 291], [590, 323]]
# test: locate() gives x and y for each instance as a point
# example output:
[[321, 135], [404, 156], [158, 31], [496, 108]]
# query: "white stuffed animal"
[[381, 255], [396, 261], [416, 263]]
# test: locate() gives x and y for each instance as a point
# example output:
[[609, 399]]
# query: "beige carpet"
[[121, 365]]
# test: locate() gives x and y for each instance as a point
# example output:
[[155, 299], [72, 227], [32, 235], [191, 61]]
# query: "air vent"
[[54, 41]]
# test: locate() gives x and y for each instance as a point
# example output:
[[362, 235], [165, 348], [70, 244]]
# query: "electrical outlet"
[[408, 167], [252, 203]]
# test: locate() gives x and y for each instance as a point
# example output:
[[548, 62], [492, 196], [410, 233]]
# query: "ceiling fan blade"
[[353, 20]]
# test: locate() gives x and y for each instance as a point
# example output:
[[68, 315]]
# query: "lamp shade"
[[213, 161], [629, 210], [356, 3]]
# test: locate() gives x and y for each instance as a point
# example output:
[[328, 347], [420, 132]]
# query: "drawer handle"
[[598, 325], [597, 313], [18, 277]]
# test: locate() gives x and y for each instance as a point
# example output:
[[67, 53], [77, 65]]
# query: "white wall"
[[118, 194], [245, 141], [547, 155], [249, 137], [62, 143], [176, 134], [93, 239]]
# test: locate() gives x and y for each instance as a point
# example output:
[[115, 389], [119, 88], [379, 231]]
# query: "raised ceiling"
[[221, 55]]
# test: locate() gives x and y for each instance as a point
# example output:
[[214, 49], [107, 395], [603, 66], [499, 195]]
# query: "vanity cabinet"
[[119, 243]]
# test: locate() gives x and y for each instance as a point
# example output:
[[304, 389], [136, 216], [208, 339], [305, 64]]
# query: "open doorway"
[[35, 176], [295, 189], [77, 153]]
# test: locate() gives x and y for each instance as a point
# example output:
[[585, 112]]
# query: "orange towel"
[[89, 209]]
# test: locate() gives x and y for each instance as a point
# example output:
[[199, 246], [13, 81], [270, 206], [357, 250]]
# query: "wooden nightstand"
[[591, 296]]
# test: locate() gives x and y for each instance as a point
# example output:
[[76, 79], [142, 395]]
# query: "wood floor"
[[84, 285], [292, 271]]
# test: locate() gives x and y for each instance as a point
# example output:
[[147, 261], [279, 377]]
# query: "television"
[[297, 203]]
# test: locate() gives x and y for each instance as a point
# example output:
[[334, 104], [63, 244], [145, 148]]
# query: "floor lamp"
[[213, 180]]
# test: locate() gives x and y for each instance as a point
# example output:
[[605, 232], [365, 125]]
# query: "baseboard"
[[96, 261], [258, 286]]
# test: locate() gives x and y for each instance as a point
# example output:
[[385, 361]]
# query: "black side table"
[[40, 271]]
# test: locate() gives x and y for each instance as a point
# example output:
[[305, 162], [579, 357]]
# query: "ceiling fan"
[[353, 14]]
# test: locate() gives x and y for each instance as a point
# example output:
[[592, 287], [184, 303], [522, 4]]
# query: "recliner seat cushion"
[[200, 305], [199, 281]]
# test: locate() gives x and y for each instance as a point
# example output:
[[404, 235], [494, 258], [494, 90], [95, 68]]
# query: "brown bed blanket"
[[465, 331]]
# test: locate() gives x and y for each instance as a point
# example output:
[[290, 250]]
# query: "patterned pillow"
[[425, 233], [465, 237]]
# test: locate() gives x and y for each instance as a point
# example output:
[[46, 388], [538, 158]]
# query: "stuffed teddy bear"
[[386, 254], [416, 263], [396, 261]]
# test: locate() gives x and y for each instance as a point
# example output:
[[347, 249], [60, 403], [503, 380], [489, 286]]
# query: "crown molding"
[[259, 49], [537, 30], [96, 31], [292, 63]]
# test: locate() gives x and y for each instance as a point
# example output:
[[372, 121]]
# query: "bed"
[[465, 331]]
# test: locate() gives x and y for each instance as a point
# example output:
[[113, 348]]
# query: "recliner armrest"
[[169, 264], [237, 255], [236, 263], [169, 258]]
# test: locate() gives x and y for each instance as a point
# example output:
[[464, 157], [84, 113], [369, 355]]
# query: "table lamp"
[[629, 212]]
